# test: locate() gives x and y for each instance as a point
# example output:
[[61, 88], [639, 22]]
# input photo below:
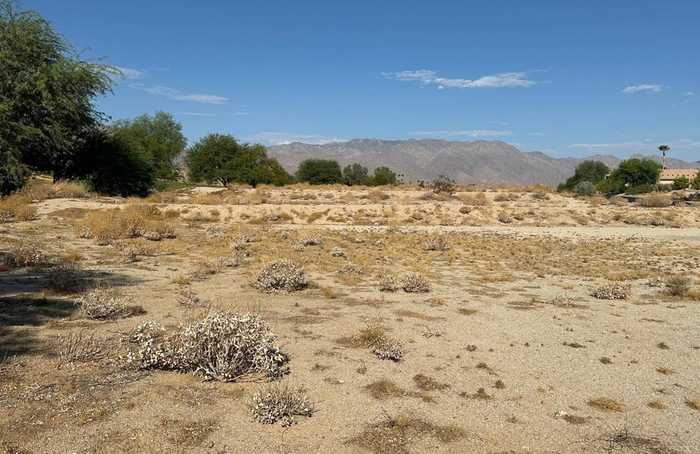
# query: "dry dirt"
[[507, 353]]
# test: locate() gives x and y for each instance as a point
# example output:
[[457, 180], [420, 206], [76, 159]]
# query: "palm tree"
[[664, 149]]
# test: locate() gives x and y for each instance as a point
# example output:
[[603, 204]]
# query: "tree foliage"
[[46, 93], [354, 174], [632, 175], [681, 183], [591, 171], [319, 171], [111, 166], [384, 176], [219, 158], [13, 174], [158, 139]]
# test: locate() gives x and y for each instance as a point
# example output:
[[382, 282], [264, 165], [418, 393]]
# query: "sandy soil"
[[508, 352]]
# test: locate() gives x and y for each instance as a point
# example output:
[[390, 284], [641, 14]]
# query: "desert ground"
[[502, 320]]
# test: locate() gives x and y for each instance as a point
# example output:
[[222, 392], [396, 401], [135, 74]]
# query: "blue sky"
[[568, 78]]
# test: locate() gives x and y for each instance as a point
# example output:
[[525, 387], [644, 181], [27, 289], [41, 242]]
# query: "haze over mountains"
[[483, 162]]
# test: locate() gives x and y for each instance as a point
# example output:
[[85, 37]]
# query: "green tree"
[[219, 158], [13, 174], [319, 171], [354, 174], [584, 187], [681, 183], [696, 181], [159, 139], [638, 172], [591, 171], [47, 94], [111, 166], [384, 176]]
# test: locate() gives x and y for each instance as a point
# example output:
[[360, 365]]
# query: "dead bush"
[[280, 404], [615, 291], [656, 201], [78, 347], [476, 200], [65, 278], [281, 275], [504, 218], [104, 303], [133, 221], [223, 346], [26, 254], [436, 243], [678, 285], [374, 337], [415, 283]]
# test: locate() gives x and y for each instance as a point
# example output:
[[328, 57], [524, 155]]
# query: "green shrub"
[[681, 183], [584, 188], [319, 171]]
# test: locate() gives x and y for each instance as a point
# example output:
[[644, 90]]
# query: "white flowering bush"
[[436, 243], [414, 283], [25, 254], [615, 291], [389, 283], [281, 275], [223, 346], [387, 348], [280, 404], [104, 303], [311, 241]]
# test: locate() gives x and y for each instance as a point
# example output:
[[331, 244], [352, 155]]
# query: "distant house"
[[668, 175]]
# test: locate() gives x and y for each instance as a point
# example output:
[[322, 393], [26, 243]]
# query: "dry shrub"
[[436, 243], [504, 218], [506, 197], [281, 275], [223, 346], [377, 196], [312, 240], [656, 201], [415, 283], [614, 291], [26, 254], [16, 207], [280, 403], [68, 190], [104, 303], [678, 285], [426, 383], [78, 347], [476, 200], [65, 278]]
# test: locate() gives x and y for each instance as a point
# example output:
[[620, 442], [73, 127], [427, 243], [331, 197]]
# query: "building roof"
[[672, 174]]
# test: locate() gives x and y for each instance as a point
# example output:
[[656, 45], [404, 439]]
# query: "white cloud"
[[618, 145], [283, 138], [466, 133], [429, 77], [130, 73], [196, 114], [689, 93], [177, 95], [652, 88]]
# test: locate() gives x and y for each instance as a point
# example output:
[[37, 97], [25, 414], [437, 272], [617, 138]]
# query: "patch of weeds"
[[426, 383], [694, 404], [396, 435], [614, 291], [105, 304], [605, 360], [480, 394], [281, 275], [606, 404], [188, 433], [656, 405], [78, 347], [678, 285], [374, 337], [387, 389]]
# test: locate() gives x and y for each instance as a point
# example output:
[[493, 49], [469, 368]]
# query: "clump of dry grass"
[[104, 303], [281, 275], [223, 346], [396, 435], [504, 218], [477, 200], [678, 285], [606, 404], [132, 221], [16, 207], [614, 291], [693, 403], [374, 337], [280, 404]]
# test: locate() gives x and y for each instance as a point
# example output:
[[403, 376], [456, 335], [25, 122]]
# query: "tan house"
[[668, 175]]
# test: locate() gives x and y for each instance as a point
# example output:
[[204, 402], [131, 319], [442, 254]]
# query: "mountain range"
[[477, 162]]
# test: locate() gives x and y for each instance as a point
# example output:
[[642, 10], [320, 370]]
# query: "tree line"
[[49, 124]]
